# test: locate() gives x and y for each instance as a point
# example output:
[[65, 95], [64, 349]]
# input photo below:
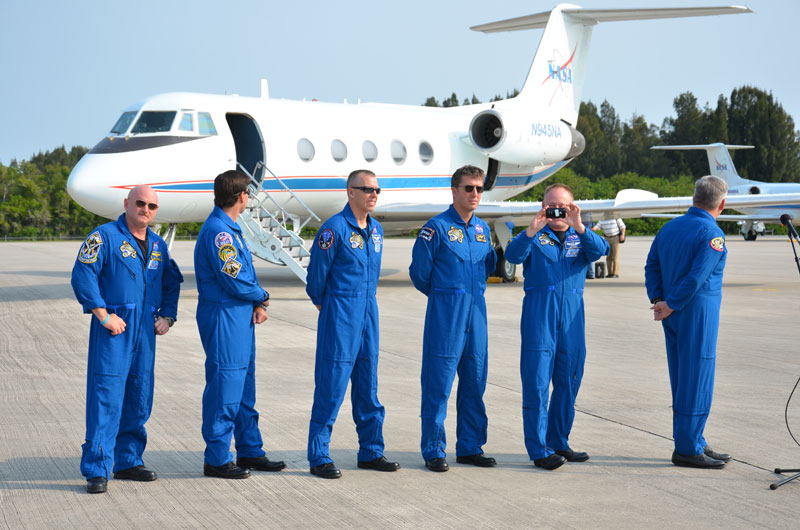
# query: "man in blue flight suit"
[[556, 250], [125, 277], [452, 258], [342, 281], [230, 303], [683, 276]]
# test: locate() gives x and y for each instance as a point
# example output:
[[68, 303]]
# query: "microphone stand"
[[787, 221]]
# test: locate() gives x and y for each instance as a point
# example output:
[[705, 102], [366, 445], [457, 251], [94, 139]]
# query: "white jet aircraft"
[[298, 153], [752, 223]]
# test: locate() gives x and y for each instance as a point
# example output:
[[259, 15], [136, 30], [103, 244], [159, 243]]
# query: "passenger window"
[[205, 124], [123, 122], [154, 122], [425, 152], [338, 150], [305, 149], [398, 151], [370, 151], [187, 122]]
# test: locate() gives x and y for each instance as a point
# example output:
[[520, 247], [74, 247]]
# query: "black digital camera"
[[555, 213]]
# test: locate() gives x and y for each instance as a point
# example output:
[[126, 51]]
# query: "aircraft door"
[[249, 143]]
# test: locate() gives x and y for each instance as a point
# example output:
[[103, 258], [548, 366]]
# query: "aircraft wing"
[[628, 204], [724, 217]]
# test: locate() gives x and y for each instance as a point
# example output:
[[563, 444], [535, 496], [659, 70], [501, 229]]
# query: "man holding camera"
[[556, 250]]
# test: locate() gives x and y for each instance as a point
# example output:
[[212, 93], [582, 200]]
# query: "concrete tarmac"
[[623, 418]]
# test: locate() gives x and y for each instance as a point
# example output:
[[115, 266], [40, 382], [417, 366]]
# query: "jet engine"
[[524, 142]]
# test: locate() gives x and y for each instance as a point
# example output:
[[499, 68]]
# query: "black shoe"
[[437, 464], [140, 473], [702, 461], [550, 462], [477, 460], [328, 470], [260, 463], [379, 464], [96, 485], [612, 276], [725, 457], [229, 470], [574, 456]]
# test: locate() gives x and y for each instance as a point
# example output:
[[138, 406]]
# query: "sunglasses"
[[469, 187], [151, 205], [367, 189]]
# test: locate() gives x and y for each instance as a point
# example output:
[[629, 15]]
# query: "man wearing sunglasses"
[[230, 303], [452, 258], [556, 250], [125, 277], [342, 281]]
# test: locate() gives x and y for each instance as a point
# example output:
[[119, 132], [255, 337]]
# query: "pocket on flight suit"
[[343, 321], [113, 353], [231, 384], [444, 335]]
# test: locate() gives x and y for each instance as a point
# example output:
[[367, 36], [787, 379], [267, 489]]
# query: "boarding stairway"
[[265, 224]]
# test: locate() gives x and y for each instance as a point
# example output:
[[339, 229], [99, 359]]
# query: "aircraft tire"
[[505, 270]]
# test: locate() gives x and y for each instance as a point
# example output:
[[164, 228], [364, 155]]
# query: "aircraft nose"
[[88, 186]]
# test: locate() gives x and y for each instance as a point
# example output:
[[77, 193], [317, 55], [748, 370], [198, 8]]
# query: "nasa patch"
[[426, 233], [223, 238], [377, 239], [232, 268], [325, 239], [718, 243], [90, 248], [127, 250], [227, 253], [356, 241], [455, 234], [478, 229]]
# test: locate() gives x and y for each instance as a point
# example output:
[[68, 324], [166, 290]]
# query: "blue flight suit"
[[343, 279], [684, 268], [228, 292], [450, 263], [553, 331], [112, 272]]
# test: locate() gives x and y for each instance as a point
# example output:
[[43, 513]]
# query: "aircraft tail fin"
[[558, 69], [719, 159]]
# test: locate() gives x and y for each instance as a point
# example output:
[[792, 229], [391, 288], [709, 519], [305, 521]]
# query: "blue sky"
[[69, 68]]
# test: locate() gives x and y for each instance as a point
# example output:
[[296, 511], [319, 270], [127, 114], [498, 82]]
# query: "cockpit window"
[[154, 122], [206, 124], [187, 122], [123, 122]]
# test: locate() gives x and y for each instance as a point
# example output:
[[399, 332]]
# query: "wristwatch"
[[656, 300], [170, 321]]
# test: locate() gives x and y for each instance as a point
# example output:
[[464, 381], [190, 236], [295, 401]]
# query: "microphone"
[[786, 220]]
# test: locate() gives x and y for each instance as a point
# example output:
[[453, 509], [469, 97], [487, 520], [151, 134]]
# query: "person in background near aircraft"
[[230, 303], [125, 277], [342, 281], [614, 232], [683, 277], [452, 258], [556, 252]]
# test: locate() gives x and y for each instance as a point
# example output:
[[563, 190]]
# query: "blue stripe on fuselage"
[[387, 183]]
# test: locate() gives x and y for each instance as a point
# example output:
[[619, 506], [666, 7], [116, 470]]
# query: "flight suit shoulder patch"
[[718, 243], [90, 248], [232, 268], [227, 253], [325, 239], [222, 239], [426, 233]]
